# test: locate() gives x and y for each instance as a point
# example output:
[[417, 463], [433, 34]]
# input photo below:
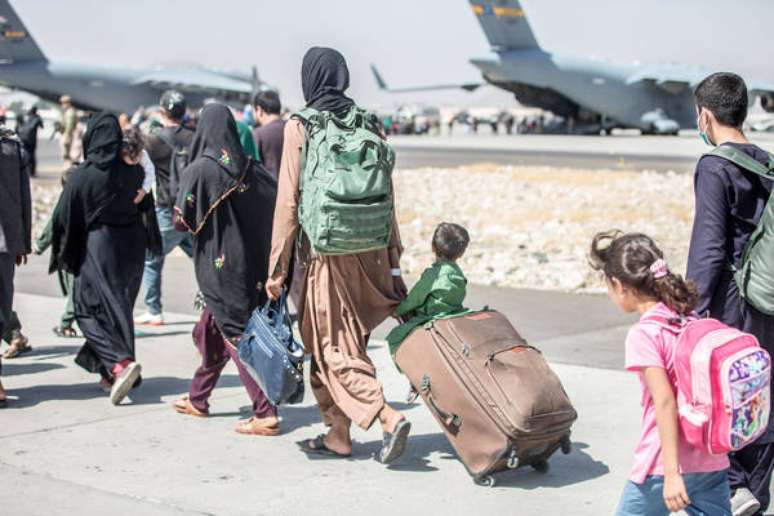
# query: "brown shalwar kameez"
[[343, 299]]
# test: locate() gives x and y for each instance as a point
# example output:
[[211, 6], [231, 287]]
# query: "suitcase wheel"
[[541, 466], [566, 445], [485, 481]]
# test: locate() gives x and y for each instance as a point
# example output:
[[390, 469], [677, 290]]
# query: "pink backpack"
[[723, 384]]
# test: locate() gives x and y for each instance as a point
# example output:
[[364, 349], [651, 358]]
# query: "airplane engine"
[[767, 102]]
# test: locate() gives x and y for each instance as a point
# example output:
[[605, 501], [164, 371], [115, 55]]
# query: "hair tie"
[[659, 268]]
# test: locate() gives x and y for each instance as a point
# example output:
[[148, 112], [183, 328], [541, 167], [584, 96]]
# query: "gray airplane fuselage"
[[594, 85], [91, 87]]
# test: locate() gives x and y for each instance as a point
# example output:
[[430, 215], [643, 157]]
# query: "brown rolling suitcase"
[[495, 397]]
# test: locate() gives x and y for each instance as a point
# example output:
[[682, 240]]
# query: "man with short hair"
[[168, 149], [269, 135], [730, 201]]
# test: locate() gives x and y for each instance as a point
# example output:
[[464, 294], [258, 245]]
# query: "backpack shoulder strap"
[[675, 326], [744, 160]]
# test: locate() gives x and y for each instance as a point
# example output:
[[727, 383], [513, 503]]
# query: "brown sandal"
[[268, 426], [184, 406], [19, 346]]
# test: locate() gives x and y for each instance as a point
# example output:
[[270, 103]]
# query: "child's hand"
[[141, 193], [675, 494]]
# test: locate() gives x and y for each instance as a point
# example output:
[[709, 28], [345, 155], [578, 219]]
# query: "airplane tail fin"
[[16, 43], [505, 24]]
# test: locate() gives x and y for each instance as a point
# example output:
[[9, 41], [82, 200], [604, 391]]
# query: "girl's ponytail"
[[636, 261]]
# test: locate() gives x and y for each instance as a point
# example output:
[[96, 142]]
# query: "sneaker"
[[744, 503], [149, 319], [124, 381]]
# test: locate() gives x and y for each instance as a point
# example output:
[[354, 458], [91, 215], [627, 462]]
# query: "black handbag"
[[271, 355]]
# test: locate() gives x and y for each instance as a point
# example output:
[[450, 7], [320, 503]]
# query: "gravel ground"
[[530, 227]]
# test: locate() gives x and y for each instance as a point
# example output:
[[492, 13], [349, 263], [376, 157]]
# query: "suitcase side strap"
[[449, 419]]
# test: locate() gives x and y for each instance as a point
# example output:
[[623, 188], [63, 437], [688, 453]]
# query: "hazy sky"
[[412, 41]]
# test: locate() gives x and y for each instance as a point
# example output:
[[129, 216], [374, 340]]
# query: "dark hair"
[[725, 95], [628, 257], [132, 143], [269, 101], [450, 241]]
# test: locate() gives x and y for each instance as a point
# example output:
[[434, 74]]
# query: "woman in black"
[[99, 236], [226, 201]]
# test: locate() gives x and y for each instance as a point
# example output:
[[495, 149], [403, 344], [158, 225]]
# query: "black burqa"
[[227, 201], [98, 235], [324, 79]]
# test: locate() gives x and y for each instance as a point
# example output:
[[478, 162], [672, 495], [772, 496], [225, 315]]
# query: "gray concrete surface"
[[65, 450]]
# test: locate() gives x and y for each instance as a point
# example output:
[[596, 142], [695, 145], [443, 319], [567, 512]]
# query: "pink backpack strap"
[[673, 325]]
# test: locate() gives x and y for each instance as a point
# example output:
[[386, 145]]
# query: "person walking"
[[226, 201], [99, 236], [28, 134], [730, 201], [169, 151], [346, 296], [15, 225], [67, 126], [269, 133]]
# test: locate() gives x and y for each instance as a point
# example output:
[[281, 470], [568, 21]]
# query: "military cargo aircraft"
[[587, 93], [23, 66]]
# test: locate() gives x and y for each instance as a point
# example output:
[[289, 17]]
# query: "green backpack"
[[346, 202], [755, 275]]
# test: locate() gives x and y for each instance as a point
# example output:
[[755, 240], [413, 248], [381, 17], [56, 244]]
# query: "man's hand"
[[21, 259], [274, 288], [141, 193], [675, 494]]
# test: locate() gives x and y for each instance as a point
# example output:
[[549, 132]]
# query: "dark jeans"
[[215, 354], [7, 269], [12, 328]]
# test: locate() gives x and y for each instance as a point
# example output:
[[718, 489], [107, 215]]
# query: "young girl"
[[668, 475], [133, 153]]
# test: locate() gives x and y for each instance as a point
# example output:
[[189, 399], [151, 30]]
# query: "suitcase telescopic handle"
[[449, 419]]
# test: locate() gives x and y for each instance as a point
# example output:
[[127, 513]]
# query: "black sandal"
[[394, 443], [317, 446]]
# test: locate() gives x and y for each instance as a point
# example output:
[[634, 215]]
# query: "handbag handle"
[[281, 315]]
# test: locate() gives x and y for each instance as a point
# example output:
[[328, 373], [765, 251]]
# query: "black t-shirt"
[[160, 154], [269, 139]]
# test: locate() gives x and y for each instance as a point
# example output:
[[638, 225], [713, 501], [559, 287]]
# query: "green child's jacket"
[[438, 294]]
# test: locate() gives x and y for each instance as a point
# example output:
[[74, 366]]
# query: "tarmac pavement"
[[65, 450]]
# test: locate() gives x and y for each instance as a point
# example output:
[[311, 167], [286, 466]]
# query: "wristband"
[[395, 272]]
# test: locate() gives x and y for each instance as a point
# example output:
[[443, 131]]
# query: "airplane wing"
[[198, 80], [672, 79], [382, 84]]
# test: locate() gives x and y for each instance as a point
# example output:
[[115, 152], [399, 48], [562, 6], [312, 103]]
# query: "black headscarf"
[[100, 190], [324, 79], [228, 204], [215, 146], [102, 141]]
